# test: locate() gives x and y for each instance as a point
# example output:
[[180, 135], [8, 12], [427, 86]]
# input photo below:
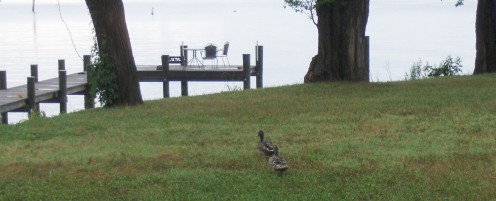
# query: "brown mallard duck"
[[278, 164], [265, 147]]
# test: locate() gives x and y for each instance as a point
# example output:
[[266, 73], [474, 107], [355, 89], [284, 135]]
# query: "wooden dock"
[[26, 98], [15, 98]]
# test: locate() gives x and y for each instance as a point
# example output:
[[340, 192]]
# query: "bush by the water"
[[448, 67]]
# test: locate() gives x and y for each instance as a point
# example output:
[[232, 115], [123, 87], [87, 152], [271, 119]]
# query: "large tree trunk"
[[113, 40], [341, 49], [485, 29]]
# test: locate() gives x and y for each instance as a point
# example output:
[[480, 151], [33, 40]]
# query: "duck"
[[265, 147], [278, 164]]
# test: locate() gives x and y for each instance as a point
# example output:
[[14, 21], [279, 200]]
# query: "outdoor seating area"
[[208, 57]]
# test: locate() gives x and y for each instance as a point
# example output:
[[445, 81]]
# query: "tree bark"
[[485, 30], [113, 40], [341, 49]]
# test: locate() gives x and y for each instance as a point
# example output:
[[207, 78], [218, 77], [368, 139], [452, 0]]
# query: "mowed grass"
[[431, 139]]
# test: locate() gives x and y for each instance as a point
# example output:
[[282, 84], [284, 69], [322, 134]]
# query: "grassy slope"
[[427, 140]]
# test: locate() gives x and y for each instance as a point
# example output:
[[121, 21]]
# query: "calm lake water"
[[401, 33]]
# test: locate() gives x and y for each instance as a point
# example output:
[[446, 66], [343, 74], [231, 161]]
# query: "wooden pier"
[[26, 98]]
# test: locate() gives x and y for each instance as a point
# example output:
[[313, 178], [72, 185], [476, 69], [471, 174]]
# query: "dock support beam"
[[184, 55], [61, 64], [184, 87], [165, 73], [86, 62], [184, 63], [34, 72], [31, 104], [3, 80], [246, 71], [259, 67], [89, 100], [3, 86], [63, 91], [62, 87]]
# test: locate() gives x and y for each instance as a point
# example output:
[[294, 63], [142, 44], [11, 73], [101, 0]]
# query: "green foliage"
[[415, 71], [304, 6], [301, 6], [102, 78], [233, 88], [34, 114], [427, 140], [307, 7], [448, 67]]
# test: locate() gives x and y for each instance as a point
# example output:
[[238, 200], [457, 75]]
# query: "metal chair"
[[224, 55], [211, 54]]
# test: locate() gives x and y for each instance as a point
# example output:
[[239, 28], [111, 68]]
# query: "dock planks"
[[15, 98], [47, 90]]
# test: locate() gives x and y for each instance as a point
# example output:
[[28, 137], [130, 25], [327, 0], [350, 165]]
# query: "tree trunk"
[[113, 40], [342, 44], [485, 30]]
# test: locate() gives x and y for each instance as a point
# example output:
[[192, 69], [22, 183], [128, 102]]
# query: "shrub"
[[448, 67], [415, 71], [102, 78]]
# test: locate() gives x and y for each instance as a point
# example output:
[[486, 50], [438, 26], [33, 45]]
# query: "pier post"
[[184, 87], [61, 64], [259, 66], [86, 62], [184, 55], [165, 73], [89, 101], [3, 80], [246, 71], [3, 86], [63, 91], [34, 72], [31, 104]]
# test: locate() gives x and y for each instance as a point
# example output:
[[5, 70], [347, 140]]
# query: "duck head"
[[261, 135]]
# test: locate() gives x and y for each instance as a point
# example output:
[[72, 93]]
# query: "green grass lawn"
[[432, 139]]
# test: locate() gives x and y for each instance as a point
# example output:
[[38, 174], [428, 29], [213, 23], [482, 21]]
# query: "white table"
[[195, 57]]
